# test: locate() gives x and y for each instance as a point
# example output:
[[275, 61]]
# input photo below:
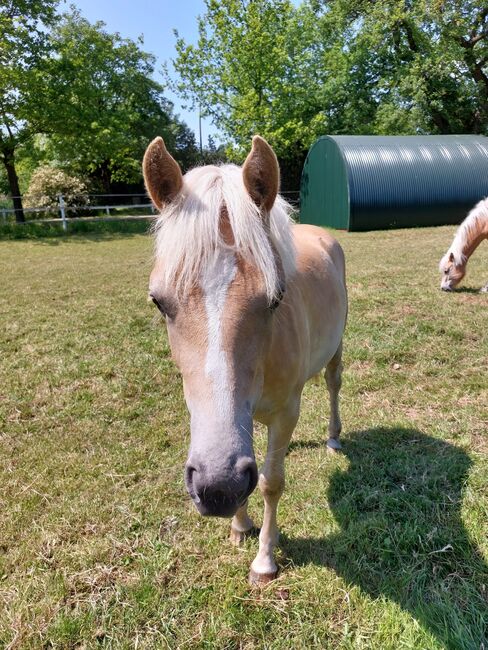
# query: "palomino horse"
[[468, 237], [254, 307]]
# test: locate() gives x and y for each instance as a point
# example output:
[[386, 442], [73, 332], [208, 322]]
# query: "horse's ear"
[[451, 257], [261, 174], [162, 174]]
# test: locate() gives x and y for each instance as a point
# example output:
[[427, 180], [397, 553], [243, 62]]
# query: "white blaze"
[[215, 285]]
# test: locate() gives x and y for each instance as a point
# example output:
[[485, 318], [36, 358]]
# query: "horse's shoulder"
[[313, 242], [307, 233]]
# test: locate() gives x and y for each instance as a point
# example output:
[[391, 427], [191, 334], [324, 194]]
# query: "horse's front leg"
[[241, 525], [272, 483]]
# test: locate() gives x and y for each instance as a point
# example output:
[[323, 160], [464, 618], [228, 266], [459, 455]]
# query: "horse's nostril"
[[220, 494], [251, 471], [189, 471], [189, 481], [250, 479]]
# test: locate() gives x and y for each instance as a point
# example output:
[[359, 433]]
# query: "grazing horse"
[[468, 237], [254, 307]]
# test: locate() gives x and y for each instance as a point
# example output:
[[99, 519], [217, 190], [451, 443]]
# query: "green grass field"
[[384, 546]]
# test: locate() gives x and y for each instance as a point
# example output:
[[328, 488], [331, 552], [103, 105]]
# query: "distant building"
[[375, 182]]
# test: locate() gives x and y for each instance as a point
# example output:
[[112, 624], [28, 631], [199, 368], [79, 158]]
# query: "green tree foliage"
[[249, 73], [426, 62], [78, 97], [213, 154], [23, 44], [104, 104], [341, 66]]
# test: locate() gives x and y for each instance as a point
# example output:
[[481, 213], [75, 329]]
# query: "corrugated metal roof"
[[409, 180]]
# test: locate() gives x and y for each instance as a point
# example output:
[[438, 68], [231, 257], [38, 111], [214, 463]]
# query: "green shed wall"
[[375, 182], [324, 186]]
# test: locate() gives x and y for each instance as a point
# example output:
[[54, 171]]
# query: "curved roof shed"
[[373, 182]]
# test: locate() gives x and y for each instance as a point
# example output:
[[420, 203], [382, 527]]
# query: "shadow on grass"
[[304, 444], [464, 289], [402, 536], [468, 290]]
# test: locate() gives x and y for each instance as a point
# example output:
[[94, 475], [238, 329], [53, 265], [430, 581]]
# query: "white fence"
[[107, 207], [59, 211]]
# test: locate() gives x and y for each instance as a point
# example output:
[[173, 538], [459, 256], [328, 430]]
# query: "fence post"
[[4, 216], [107, 210], [62, 211]]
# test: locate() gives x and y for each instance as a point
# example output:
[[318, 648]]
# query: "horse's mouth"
[[217, 508]]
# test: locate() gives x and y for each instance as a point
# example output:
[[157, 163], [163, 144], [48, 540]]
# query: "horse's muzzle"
[[222, 495]]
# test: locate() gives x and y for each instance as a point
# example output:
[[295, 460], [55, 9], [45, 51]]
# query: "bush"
[[47, 183]]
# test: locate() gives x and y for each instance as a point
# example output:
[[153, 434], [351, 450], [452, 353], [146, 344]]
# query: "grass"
[[106, 225], [382, 547]]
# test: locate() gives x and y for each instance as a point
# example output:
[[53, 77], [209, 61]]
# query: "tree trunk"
[[13, 182], [106, 176]]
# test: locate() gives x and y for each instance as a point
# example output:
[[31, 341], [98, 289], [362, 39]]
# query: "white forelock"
[[188, 230]]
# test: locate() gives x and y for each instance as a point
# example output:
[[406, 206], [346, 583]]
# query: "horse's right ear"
[[162, 174], [261, 173]]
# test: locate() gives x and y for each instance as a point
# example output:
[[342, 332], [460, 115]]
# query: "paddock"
[[383, 546]]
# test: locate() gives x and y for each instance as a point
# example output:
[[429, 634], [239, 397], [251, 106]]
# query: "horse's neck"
[[475, 237], [475, 230]]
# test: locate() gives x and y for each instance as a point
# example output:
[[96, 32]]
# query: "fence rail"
[[108, 204], [69, 207]]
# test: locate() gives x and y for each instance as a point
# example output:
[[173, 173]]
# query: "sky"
[[155, 21]]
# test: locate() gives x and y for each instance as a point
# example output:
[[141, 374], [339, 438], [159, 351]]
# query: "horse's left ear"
[[451, 257], [261, 173]]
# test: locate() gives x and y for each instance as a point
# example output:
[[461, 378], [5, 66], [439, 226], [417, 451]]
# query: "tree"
[[336, 66], [104, 105], [425, 62], [78, 97], [24, 44], [213, 154], [252, 72]]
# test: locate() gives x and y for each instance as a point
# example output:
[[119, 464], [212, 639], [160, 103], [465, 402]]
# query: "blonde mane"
[[467, 231], [188, 235]]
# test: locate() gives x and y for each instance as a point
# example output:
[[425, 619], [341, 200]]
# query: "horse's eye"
[[158, 305], [166, 305]]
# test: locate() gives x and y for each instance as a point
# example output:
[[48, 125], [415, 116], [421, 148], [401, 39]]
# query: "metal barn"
[[373, 182]]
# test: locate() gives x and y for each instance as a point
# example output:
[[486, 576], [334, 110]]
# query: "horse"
[[469, 235], [254, 307]]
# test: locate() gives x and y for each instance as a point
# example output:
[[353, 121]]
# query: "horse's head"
[[218, 277], [452, 270]]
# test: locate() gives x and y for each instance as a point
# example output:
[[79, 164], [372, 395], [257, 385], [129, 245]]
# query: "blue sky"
[[155, 21]]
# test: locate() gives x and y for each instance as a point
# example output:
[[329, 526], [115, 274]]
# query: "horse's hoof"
[[333, 445], [484, 289], [261, 579]]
